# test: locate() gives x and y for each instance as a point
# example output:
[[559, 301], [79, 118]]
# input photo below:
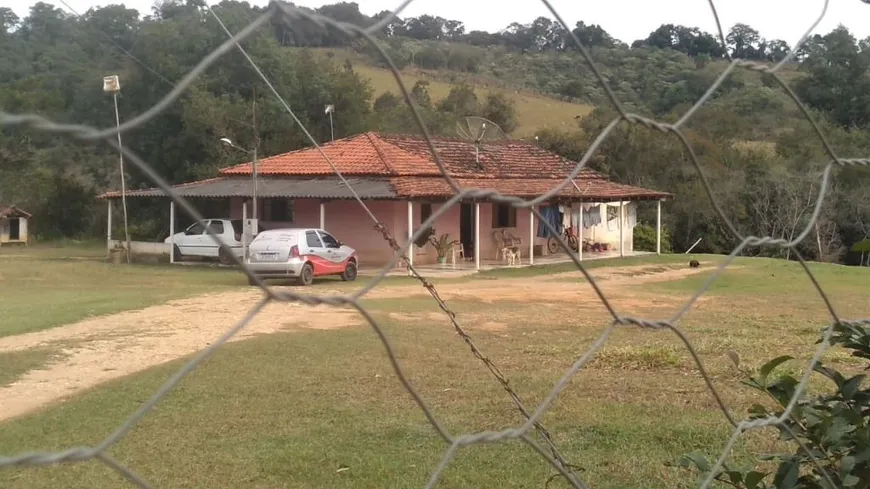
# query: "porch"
[[465, 268]]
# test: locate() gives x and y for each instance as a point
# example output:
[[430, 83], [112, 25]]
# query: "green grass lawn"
[[290, 409], [46, 286]]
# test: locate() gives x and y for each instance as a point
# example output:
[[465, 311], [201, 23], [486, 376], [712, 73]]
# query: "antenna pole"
[[256, 145]]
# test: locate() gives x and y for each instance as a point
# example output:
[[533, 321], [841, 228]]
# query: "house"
[[13, 225], [402, 185]]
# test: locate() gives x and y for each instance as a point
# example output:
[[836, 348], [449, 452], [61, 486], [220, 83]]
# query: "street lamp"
[[112, 85], [329, 110], [253, 152]]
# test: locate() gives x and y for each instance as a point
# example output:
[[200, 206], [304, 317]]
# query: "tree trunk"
[[819, 240]]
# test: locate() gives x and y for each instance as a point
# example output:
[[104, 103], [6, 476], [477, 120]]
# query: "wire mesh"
[[549, 451]]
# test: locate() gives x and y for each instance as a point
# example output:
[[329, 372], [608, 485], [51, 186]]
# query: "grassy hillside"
[[553, 91], [534, 111]]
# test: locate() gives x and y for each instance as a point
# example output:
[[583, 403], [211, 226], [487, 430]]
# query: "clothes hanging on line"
[[632, 215], [567, 216], [612, 217], [592, 216], [554, 217]]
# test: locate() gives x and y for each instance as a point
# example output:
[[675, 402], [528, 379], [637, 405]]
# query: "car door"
[[210, 247], [190, 242], [316, 253], [334, 252]]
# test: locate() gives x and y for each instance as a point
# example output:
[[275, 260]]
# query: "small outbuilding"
[[13, 225]]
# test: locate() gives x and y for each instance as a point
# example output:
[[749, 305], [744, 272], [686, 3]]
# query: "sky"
[[626, 20]]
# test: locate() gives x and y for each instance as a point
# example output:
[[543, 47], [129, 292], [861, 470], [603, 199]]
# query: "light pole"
[[112, 85], [253, 154], [329, 110]]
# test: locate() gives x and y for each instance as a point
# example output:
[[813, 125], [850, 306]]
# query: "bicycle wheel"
[[572, 241], [552, 245]]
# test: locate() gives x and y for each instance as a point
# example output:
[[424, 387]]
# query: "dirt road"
[[99, 349]]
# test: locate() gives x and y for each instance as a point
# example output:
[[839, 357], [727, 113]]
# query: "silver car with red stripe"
[[301, 254]]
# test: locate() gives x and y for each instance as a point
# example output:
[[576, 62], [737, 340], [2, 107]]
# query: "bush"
[[829, 433], [645, 238]]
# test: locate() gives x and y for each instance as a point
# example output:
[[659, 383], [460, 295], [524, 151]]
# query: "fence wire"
[[532, 424]]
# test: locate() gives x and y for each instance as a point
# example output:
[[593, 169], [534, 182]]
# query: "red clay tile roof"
[[405, 155], [404, 164], [590, 189], [13, 211]]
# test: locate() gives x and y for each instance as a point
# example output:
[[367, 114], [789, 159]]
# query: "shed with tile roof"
[[13, 225]]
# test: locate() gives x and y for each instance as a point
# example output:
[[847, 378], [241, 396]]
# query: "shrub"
[[645, 238], [829, 433]]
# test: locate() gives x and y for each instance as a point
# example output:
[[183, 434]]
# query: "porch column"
[[580, 232], [323, 215], [621, 222], [109, 226], [244, 236], [531, 236], [410, 234], [171, 231], [477, 236], [658, 227]]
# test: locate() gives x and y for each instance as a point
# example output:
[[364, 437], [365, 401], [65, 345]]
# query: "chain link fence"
[[548, 450]]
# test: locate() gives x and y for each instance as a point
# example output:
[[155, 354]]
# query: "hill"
[[534, 112]]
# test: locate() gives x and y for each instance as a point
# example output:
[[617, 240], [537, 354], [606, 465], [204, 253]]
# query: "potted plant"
[[443, 244]]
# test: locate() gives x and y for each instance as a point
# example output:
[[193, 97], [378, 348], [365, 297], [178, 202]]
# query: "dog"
[[513, 256], [694, 264]]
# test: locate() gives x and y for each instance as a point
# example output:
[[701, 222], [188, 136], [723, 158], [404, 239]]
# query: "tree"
[[838, 80], [745, 42], [776, 50], [689, 40], [592, 35], [461, 101], [8, 20], [420, 93], [500, 109]]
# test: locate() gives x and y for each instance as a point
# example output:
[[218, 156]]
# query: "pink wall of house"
[[349, 223]]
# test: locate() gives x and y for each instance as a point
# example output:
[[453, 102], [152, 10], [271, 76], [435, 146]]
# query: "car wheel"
[[224, 256], [306, 276], [176, 253], [349, 274]]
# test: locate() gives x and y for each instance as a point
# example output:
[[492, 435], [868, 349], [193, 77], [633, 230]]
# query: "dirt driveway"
[[99, 349]]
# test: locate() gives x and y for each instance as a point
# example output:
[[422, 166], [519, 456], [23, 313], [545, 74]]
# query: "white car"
[[195, 241], [301, 254]]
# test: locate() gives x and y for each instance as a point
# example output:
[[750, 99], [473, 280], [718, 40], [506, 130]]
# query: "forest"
[[755, 144]]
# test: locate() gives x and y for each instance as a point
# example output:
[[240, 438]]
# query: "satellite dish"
[[479, 130]]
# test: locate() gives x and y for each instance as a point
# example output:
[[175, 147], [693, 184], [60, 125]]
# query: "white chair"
[[457, 249]]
